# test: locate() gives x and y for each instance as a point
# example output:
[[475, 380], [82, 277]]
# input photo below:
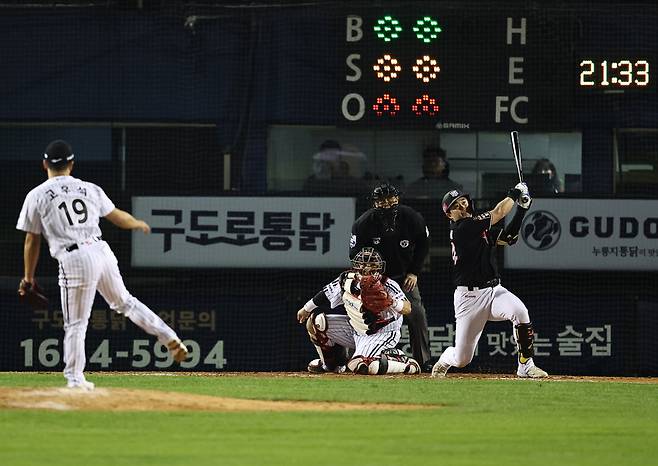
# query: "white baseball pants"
[[472, 311], [81, 272], [340, 332]]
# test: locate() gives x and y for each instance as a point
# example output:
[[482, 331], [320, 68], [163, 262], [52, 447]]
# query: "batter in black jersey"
[[473, 251], [479, 296], [400, 235]]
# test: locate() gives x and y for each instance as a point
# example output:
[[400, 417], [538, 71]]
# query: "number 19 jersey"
[[65, 210]]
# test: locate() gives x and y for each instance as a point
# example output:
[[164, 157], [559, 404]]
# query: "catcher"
[[375, 306]]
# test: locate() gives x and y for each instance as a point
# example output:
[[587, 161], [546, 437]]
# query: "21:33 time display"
[[615, 74]]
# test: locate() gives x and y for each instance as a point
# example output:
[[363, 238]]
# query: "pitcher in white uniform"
[[479, 296], [66, 211]]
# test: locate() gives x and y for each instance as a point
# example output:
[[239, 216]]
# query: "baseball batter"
[[479, 296], [66, 211], [375, 306]]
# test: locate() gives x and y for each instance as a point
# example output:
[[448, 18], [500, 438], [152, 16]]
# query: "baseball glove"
[[373, 295], [32, 295]]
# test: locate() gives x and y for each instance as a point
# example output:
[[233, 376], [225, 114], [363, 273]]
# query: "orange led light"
[[387, 68], [426, 68]]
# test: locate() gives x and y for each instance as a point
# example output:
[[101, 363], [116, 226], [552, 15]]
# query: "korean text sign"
[[243, 232]]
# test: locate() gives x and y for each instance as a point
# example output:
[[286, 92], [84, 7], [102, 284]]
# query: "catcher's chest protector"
[[353, 305]]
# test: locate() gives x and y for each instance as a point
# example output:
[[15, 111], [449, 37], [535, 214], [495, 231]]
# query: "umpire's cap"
[[384, 190], [58, 153], [450, 198]]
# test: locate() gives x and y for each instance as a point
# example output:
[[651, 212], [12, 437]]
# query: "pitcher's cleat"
[[439, 370], [530, 371], [178, 350], [82, 386]]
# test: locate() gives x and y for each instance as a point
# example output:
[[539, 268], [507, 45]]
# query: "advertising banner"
[[587, 234], [243, 232]]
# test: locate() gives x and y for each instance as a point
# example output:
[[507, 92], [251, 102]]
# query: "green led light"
[[387, 28], [427, 29]]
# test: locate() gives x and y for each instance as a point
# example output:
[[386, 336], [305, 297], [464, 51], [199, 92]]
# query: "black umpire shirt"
[[404, 248], [473, 251]]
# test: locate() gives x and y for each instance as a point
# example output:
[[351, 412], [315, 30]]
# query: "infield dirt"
[[121, 399]]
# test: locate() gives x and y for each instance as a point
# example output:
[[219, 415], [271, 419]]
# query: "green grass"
[[475, 422]]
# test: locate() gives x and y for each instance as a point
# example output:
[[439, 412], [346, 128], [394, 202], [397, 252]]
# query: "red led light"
[[425, 105], [386, 106]]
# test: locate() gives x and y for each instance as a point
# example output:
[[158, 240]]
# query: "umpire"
[[400, 235]]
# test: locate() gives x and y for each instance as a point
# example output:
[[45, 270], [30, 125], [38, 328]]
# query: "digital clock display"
[[617, 73]]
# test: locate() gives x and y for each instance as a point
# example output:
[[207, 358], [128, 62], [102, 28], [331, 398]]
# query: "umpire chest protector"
[[396, 245]]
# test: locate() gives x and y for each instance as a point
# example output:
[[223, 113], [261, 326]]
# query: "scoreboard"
[[469, 69]]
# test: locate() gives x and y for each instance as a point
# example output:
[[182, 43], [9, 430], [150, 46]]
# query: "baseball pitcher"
[[66, 211], [479, 296], [375, 305]]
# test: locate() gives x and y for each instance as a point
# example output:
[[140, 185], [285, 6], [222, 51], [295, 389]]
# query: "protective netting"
[[250, 136]]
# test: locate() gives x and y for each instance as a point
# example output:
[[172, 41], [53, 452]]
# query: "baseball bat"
[[516, 149]]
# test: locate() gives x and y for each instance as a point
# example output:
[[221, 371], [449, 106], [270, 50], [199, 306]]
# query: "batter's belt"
[[489, 284]]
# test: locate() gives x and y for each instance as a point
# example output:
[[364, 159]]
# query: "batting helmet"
[[450, 198], [58, 152], [368, 261]]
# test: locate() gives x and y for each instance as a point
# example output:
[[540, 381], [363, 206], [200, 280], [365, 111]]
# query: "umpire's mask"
[[386, 198]]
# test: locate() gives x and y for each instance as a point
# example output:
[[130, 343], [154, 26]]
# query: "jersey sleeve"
[[395, 292], [358, 239], [105, 204], [29, 219], [334, 293]]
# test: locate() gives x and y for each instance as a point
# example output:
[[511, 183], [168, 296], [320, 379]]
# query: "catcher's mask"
[[368, 262], [450, 198], [385, 198]]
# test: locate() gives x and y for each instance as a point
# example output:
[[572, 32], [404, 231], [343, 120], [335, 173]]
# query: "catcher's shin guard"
[[332, 355], [395, 361], [391, 361], [525, 337], [359, 365], [316, 326]]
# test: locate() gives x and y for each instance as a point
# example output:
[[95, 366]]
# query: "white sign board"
[[243, 232], [587, 234]]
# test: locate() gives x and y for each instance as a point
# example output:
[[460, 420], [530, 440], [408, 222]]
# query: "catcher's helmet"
[[383, 191], [58, 152], [450, 198], [368, 261]]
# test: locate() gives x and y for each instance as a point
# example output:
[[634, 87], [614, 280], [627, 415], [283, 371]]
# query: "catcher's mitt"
[[374, 296], [32, 295]]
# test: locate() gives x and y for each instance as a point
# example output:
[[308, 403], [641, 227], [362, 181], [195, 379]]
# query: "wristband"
[[514, 194], [310, 306]]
